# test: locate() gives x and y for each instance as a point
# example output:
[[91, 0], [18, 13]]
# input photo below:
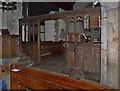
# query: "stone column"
[[119, 45], [110, 45], [103, 46]]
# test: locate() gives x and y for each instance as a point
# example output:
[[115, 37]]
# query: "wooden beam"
[[67, 29], [20, 34], [38, 41], [61, 15], [33, 31]]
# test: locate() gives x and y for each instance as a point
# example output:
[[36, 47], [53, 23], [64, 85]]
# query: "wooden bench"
[[48, 49], [30, 78]]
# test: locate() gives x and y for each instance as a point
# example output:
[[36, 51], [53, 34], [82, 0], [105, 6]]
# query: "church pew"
[[48, 49], [30, 78]]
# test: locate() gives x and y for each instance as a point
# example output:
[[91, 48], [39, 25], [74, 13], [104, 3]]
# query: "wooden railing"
[[29, 78], [32, 23]]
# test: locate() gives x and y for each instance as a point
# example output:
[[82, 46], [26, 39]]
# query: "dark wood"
[[36, 8], [9, 45], [29, 78], [25, 9], [29, 30], [20, 35], [4, 31], [62, 15], [14, 43], [33, 31], [38, 41], [88, 55], [47, 50], [94, 21]]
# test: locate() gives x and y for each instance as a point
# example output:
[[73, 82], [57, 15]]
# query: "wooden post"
[[38, 41], [67, 30], [29, 30], [20, 38], [25, 32], [44, 33], [33, 31]]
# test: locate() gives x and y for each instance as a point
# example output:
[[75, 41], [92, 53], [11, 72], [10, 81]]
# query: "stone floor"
[[58, 65], [55, 65]]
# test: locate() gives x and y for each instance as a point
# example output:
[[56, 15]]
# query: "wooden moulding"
[[62, 15]]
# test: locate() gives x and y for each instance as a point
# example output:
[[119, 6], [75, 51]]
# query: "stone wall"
[[110, 43], [109, 46]]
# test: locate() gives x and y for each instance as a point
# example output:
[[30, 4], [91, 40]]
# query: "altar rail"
[[30, 78]]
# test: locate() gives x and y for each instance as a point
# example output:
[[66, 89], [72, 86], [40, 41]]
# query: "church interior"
[[59, 46]]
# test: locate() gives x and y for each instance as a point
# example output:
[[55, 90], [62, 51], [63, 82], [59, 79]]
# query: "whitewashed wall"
[[50, 30], [9, 19]]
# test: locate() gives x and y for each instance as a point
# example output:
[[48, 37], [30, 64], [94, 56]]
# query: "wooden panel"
[[70, 55], [96, 60], [74, 37], [5, 46], [48, 49], [94, 21], [14, 46], [89, 59], [6, 69], [36, 79], [9, 45], [88, 54]]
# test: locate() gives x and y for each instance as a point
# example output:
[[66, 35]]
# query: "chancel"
[[60, 46]]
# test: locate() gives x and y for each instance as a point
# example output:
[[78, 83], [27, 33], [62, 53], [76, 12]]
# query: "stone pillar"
[[110, 44], [119, 45], [103, 46]]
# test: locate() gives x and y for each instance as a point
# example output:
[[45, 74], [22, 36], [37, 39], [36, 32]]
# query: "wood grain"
[[37, 79]]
